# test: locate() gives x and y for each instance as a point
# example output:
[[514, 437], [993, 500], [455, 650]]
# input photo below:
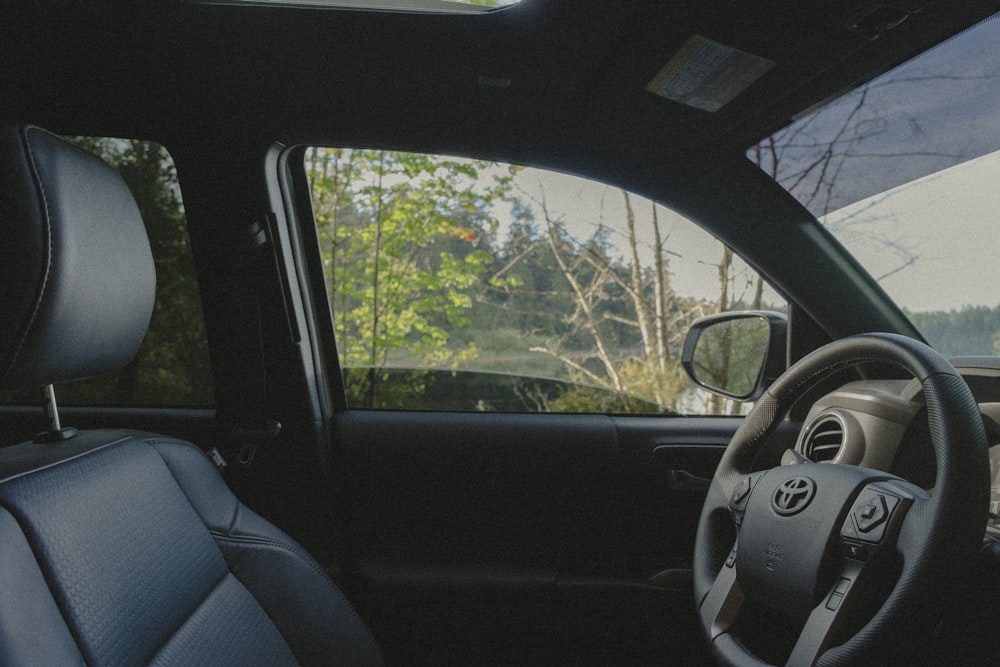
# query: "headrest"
[[77, 280]]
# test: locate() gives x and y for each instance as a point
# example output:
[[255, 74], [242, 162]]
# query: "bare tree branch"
[[569, 362], [583, 303]]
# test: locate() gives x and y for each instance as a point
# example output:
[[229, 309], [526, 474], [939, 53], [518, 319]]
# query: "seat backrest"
[[123, 547]]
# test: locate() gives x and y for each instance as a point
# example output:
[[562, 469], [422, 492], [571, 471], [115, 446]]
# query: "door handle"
[[682, 480]]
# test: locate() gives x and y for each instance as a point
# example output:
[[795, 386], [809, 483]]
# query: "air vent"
[[824, 438]]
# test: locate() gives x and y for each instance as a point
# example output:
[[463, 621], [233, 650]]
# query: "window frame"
[[292, 187]]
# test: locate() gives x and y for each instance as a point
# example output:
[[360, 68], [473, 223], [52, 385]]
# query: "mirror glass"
[[730, 354]]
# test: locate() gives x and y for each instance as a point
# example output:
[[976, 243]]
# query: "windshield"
[[903, 172]]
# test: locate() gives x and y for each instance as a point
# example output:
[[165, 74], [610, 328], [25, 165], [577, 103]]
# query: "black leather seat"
[[118, 547]]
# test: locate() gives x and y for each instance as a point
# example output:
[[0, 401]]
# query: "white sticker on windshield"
[[707, 75]]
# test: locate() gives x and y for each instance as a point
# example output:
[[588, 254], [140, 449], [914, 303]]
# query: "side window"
[[470, 285], [171, 368]]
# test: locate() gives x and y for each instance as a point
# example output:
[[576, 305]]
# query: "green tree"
[[418, 278], [957, 332], [405, 239]]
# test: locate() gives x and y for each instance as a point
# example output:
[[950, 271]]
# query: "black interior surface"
[[462, 539], [126, 547], [565, 532]]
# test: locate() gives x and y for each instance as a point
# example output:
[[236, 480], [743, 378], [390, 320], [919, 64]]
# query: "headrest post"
[[56, 432], [51, 409]]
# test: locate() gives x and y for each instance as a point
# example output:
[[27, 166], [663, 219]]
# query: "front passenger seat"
[[122, 547]]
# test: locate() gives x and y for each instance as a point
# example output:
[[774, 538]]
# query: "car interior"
[[188, 475], [125, 592]]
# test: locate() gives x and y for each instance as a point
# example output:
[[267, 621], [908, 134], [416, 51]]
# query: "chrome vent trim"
[[824, 439]]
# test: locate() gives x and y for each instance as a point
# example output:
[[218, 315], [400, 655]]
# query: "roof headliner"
[[577, 72], [203, 79]]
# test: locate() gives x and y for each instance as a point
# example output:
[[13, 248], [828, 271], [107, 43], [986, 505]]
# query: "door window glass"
[[459, 284]]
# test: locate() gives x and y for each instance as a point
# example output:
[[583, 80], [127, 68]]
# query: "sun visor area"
[[707, 75]]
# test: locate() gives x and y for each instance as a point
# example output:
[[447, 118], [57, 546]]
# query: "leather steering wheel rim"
[[938, 532]]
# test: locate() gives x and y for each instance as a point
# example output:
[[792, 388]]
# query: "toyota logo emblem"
[[793, 495]]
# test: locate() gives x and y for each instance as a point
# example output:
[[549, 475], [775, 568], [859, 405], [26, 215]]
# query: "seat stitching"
[[66, 460], [47, 577], [154, 440], [48, 248], [259, 540], [194, 609], [306, 559]]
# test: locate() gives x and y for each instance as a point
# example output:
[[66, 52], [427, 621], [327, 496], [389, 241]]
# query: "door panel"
[[497, 538]]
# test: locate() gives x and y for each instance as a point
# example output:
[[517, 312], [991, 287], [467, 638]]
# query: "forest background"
[[453, 264]]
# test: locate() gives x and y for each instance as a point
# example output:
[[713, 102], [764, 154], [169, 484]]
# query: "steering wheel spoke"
[[870, 530], [723, 602], [827, 618]]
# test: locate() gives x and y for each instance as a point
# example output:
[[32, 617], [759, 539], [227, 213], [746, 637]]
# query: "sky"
[[583, 205], [950, 223]]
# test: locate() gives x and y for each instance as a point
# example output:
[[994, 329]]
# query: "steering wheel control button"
[[741, 497], [793, 495], [848, 530], [855, 551], [870, 515], [731, 559], [740, 494], [838, 593]]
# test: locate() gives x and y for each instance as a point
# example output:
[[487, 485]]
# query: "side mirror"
[[736, 354]]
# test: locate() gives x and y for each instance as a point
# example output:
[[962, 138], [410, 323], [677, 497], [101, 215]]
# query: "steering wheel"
[[843, 556]]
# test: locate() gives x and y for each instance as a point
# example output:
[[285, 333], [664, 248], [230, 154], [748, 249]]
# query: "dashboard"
[[882, 424]]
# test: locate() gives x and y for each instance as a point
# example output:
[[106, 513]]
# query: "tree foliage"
[[172, 365], [404, 239], [959, 332], [419, 276]]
